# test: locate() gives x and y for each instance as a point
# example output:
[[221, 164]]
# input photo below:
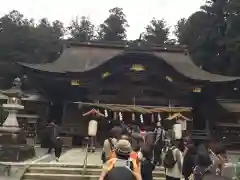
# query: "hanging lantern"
[[120, 116], [133, 116], [105, 113], [159, 117], [141, 118], [152, 118]]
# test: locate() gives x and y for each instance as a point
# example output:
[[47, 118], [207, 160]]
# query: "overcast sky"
[[138, 12]]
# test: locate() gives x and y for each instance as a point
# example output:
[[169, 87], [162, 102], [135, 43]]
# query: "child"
[[58, 148]]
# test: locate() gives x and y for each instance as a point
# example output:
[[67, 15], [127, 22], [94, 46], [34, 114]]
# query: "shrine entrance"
[[142, 117]]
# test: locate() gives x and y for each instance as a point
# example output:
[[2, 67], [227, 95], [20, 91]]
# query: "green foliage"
[[114, 27], [23, 41], [156, 32], [179, 30], [82, 30], [212, 36]]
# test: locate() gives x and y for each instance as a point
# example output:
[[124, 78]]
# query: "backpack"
[[120, 169], [169, 160], [103, 157]]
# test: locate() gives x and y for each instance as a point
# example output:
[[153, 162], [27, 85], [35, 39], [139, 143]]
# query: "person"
[[173, 162], [108, 147], [147, 166], [53, 133], [135, 154], [121, 167], [188, 161], [207, 162], [159, 142], [58, 148], [165, 148]]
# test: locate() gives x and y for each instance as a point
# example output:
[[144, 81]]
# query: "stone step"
[[65, 165], [42, 176], [70, 170]]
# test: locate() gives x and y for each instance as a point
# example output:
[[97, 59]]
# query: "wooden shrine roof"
[[137, 108], [231, 106], [88, 56]]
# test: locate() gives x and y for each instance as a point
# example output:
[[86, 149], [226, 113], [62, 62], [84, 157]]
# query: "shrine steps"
[[70, 172]]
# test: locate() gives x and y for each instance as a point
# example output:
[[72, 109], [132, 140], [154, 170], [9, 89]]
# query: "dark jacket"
[[188, 165], [202, 158], [147, 168], [189, 161]]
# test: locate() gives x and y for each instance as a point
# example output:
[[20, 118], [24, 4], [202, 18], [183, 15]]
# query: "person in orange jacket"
[[117, 165]]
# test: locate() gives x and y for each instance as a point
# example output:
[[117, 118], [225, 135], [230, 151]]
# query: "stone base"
[[16, 153], [12, 138], [13, 147]]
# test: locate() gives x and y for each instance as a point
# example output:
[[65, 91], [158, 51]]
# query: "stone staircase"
[[59, 171]]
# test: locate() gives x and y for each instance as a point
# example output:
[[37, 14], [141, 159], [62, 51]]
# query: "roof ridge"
[[140, 45]]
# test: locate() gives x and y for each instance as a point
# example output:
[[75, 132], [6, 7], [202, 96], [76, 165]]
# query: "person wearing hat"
[[121, 165]]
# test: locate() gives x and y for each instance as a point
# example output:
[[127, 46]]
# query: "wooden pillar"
[[201, 112], [64, 111]]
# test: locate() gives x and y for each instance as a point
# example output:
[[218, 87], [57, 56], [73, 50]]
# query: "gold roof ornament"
[[137, 67], [197, 90], [106, 74], [168, 78], [75, 82]]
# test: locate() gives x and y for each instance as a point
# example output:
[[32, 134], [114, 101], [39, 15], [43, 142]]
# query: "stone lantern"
[[12, 137]]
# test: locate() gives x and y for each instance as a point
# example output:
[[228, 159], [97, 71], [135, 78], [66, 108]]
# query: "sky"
[[138, 12]]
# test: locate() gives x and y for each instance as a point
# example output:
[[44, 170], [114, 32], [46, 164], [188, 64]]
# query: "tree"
[[156, 32], [179, 30], [21, 40], [82, 30], [47, 42], [114, 27], [205, 34], [14, 44]]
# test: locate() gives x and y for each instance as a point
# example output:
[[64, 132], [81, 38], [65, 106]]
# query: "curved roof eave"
[[82, 59], [77, 59], [183, 64]]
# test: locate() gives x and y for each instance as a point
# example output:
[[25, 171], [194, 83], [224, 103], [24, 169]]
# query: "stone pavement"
[[18, 168], [77, 155]]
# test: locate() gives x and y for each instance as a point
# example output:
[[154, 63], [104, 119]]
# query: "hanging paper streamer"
[[105, 113], [152, 118], [120, 116], [159, 117], [177, 128], [114, 115], [133, 116], [141, 118]]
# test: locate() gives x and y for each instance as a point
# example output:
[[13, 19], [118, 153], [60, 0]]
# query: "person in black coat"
[[58, 148], [147, 165], [188, 161]]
